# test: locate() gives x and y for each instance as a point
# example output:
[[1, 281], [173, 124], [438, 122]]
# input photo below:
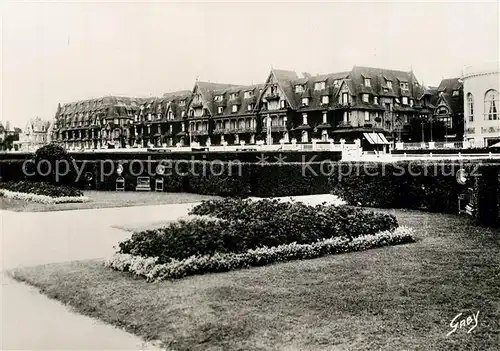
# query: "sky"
[[58, 52]]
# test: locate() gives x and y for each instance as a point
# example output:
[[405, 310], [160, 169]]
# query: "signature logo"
[[459, 322]]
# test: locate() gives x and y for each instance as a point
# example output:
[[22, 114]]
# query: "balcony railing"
[[273, 96], [344, 124]]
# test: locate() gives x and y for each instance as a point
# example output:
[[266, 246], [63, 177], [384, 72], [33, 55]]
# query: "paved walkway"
[[32, 321]]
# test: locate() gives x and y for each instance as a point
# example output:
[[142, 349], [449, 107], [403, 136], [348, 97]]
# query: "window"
[[367, 116], [220, 109], [456, 93], [319, 85], [365, 98], [375, 100], [405, 100], [403, 85], [233, 96], [491, 105], [250, 107], [304, 118], [274, 89], [182, 103], [234, 108], [282, 104], [325, 118], [191, 113], [305, 101], [299, 88], [183, 114], [170, 115], [389, 84], [336, 83], [218, 97], [345, 98], [470, 107], [368, 82], [248, 94], [325, 99]]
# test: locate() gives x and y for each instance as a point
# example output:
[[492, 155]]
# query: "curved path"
[[31, 321]]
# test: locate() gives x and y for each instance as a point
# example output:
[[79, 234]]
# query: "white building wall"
[[477, 81]]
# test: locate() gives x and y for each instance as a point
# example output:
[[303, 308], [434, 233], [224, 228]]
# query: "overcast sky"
[[61, 52]]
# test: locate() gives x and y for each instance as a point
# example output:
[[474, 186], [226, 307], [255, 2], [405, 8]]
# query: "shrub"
[[40, 188], [250, 225], [53, 164], [153, 270]]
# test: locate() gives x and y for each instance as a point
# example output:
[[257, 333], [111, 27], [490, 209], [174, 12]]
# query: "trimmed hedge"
[[262, 223]]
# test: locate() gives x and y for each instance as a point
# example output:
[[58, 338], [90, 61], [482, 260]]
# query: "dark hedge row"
[[429, 185], [244, 225]]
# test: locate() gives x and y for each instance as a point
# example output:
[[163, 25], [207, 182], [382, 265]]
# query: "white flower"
[[44, 199], [150, 269]]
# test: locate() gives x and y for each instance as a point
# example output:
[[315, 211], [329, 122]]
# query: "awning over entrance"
[[376, 138]]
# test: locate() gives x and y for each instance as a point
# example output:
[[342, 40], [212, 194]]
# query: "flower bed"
[[41, 192], [244, 225], [152, 270]]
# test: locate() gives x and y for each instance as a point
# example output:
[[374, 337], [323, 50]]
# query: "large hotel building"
[[285, 108]]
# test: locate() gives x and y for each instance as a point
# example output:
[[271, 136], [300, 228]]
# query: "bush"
[[251, 225], [40, 188], [53, 164], [153, 270]]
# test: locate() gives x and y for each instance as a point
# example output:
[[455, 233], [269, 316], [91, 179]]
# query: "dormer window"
[[305, 101], [250, 107], [405, 100], [389, 84], [233, 96], [248, 94], [403, 85], [386, 90], [366, 98], [319, 85], [325, 99], [299, 88], [234, 108], [220, 109], [368, 82], [375, 100], [218, 98], [336, 83], [456, 92]]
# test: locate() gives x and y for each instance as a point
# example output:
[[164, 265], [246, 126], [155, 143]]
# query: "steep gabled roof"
[[448, 85], [242, 103]]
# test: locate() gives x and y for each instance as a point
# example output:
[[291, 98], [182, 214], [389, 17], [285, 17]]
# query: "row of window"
[[491, 102]]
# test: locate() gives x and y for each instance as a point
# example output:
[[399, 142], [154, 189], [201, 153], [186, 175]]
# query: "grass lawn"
[[393, 298], [103, 199]]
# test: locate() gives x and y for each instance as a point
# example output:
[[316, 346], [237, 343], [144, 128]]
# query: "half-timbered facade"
[[285, 108]]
